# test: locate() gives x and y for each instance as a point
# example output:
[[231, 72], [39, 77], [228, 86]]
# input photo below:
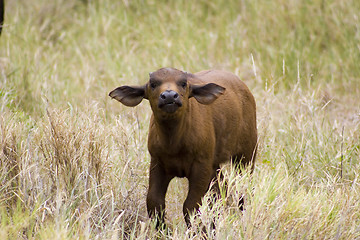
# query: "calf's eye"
[[153, 85], [183, 84]]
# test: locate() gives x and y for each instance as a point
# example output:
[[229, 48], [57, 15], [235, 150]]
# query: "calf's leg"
[[218, 178], [155, 200], [241, 161], [199, 181]]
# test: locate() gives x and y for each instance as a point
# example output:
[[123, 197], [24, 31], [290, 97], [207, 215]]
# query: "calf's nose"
[[169, 96]]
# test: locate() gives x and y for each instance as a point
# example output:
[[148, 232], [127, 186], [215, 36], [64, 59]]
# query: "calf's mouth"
[[169, 107]]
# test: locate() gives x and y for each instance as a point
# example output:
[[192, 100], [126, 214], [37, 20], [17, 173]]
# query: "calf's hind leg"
[[241, 161]]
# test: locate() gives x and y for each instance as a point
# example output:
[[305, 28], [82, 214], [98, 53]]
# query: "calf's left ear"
[[129, 95], [206, 94]]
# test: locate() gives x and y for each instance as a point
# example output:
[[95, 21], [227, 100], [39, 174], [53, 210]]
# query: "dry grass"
[[74, 164]]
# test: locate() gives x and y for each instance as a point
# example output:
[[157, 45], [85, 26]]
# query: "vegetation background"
[[74, 163]]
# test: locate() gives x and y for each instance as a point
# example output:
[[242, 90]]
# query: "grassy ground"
[[74, 164]]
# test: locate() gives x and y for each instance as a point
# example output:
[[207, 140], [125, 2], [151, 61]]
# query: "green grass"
[[74, 164]]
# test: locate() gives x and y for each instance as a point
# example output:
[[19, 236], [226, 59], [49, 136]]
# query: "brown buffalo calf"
[[199, 121]]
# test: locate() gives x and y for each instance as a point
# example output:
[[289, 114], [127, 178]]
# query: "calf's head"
[[168, 91]]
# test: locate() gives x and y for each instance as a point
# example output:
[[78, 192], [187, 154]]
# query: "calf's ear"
[[129, 95], [206, 94]]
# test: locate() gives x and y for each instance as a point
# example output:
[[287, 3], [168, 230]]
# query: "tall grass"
[[74, 164]]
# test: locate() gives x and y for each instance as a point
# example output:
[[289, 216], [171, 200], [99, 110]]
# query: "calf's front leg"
[[155, 200], [199, 181]]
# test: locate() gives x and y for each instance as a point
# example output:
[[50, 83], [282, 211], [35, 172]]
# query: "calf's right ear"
[[129, 95]]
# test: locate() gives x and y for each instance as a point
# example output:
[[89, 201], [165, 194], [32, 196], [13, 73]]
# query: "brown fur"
[[216, 122]]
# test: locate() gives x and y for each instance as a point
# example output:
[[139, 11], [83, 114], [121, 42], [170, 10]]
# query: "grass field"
[[74, 164]]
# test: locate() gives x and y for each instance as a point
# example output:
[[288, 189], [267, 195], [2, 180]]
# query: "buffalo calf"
[[199, 121]]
